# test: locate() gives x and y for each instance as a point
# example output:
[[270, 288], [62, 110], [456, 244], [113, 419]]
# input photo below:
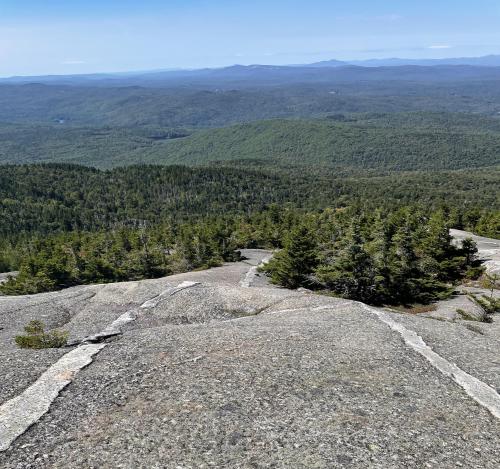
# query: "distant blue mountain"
[[486, 61], [329, 71], [329, 63]]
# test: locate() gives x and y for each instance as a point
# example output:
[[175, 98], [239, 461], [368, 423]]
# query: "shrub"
[[473, 273], [466, 316], [489, 305], [37, 338]]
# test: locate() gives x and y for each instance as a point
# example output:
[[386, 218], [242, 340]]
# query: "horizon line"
[[349, 62]]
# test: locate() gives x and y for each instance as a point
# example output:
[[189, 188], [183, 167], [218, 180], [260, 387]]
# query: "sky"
[[39, 37]]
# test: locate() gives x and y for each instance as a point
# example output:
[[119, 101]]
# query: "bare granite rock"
[[216, 374]]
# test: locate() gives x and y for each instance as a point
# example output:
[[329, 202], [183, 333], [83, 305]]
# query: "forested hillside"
[[92, 146], [354, 142], [52, 198], [358, 174], [344, 146], [213, 104]]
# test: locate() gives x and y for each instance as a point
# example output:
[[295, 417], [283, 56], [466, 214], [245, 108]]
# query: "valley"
[[252, 266], [248, 235]]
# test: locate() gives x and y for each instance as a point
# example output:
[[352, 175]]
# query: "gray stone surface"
[[489, 249], [19, 413], [458, 307], [220, 375], [4, 276], [476, 350]]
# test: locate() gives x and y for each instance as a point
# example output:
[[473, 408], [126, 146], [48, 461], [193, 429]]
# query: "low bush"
[[488, 304], [37, 338]]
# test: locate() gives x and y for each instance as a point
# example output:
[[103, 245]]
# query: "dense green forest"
[[62, 225], [52, 198], [355, 174], [212, 103], [354, 142]]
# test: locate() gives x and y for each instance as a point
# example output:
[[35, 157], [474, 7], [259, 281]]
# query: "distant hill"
[[353, 143], [486, 61], [331, 63], [218, 102], [349, 119], [340, 145], [333, 71]]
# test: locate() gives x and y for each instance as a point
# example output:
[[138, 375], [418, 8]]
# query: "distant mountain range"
[[329, 71], [486, 61]]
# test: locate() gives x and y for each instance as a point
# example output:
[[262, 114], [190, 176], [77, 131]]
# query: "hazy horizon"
[[180, 69], [111, 36]]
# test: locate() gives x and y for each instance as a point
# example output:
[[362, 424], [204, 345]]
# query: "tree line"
[[401, 256]]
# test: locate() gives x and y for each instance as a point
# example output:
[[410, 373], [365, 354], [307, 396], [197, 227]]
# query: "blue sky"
[[76, 36]]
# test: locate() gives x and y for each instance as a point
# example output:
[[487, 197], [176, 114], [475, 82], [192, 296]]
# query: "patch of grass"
[[417, 309], [490, 282], [488, 304], [466, 316], [37, 338]]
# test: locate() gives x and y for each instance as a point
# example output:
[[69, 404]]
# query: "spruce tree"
[[351, 273], [380, 249], [404, 266], [291, 267]]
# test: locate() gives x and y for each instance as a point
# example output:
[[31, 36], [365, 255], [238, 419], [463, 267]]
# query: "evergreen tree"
[[380, 249], [404, 266], [351, 273], [469, 251], [291, 267]]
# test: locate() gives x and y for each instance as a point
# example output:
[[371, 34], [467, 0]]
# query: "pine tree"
[[404, 266], [442, 259], [380, 249], [351, 273], [469, 251], [291, 267]]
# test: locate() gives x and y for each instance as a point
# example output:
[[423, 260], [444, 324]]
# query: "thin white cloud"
[[440, 46]]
